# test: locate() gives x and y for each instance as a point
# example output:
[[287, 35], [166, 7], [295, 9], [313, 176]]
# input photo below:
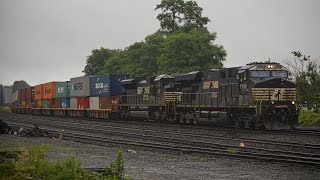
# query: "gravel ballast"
[[160, 164]]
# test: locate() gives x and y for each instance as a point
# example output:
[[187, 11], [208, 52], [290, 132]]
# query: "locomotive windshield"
[[259, 74], [265, 74], [279, 74]]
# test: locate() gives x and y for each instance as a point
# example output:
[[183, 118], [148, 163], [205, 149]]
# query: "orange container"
[[38, 92], [23, 104], [49, 90]]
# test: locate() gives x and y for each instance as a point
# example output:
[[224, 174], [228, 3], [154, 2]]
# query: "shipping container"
[[23, 95], [30, 94], [80, 86], [106, 85], [38, 92], [6, 95], [38, 104], [14, 96], [65, 103], [58, 102], [49, 103], [49, 90], [20, 95], [23, 104], [105, 102], [94, 103], [63, 89], [73, 103], [83, 102]]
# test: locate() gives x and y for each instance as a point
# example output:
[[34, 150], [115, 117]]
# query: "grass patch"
[[31, 164], [232, 150], [309, 118], [5, 108], [135, 142]]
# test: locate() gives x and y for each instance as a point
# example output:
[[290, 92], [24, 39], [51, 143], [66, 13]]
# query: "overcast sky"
[[42, 40]]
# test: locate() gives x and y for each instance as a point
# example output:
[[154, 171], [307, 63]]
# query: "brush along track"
[[179, 144]]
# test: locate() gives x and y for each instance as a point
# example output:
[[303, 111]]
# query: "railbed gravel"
[[162, 164], [212, 139]]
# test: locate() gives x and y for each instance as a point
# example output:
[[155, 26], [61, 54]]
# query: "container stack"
[[80, 92], [49, 94], [30, 93], [22, 97], [38, 97], [104, 90], [62, 94], [14, 98]]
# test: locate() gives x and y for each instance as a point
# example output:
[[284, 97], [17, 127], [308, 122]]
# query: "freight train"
[[257, 95]]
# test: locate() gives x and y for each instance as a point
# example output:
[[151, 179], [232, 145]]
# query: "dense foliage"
[[182, 44], [31, 164], [19, 85], [309, 118], [96, 60], [306, 73]]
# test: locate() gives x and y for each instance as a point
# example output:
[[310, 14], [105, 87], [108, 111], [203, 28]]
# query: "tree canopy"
[[182, 44], [19, 85], [96, 60], [180, 15], [306, 74]]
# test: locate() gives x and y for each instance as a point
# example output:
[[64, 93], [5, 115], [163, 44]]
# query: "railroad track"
[[240, 153], [310, 132], [119, 130], [143, 133], [180, 144]]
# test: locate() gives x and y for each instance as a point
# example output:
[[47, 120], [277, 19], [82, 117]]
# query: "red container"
[[20, 95], [83, 103], [108, 102], [58, 103], [23, 95], [30, 94]]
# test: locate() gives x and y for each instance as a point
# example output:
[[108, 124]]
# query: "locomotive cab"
[[266, 87]]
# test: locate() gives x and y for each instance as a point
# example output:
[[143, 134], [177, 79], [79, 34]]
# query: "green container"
[[35, 104], [63, 89], [45, 104]]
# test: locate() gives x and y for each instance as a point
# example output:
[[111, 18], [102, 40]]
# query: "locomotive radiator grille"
[[274, 94], [172, 96]]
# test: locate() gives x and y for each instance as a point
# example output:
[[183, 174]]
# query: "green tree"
[[183, 44], [179, 15], [19, 85], [306, 74], [185, 52], [96, 60]]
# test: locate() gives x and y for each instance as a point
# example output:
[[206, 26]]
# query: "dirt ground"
[[158, 164]]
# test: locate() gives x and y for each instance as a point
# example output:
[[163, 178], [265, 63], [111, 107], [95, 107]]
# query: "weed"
[[232, 150], [135, 142], [309, 118]]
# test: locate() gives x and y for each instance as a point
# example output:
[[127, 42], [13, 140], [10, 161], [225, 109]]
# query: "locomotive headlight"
[[272, 102], [293, 102]]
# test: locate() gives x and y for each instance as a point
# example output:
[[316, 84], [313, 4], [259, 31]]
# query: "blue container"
[[65, 103], [106, 85]]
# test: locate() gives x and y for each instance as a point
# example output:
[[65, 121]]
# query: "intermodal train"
[[257, 95]]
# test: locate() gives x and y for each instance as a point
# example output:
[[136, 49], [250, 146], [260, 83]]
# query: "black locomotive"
[[258, 95]]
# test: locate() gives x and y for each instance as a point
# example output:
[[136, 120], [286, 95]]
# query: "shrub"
[[309, 118]]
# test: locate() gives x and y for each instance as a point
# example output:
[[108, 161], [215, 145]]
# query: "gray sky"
[[42, 40]]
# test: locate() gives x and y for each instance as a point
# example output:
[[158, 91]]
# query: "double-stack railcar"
[[257, 95]]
